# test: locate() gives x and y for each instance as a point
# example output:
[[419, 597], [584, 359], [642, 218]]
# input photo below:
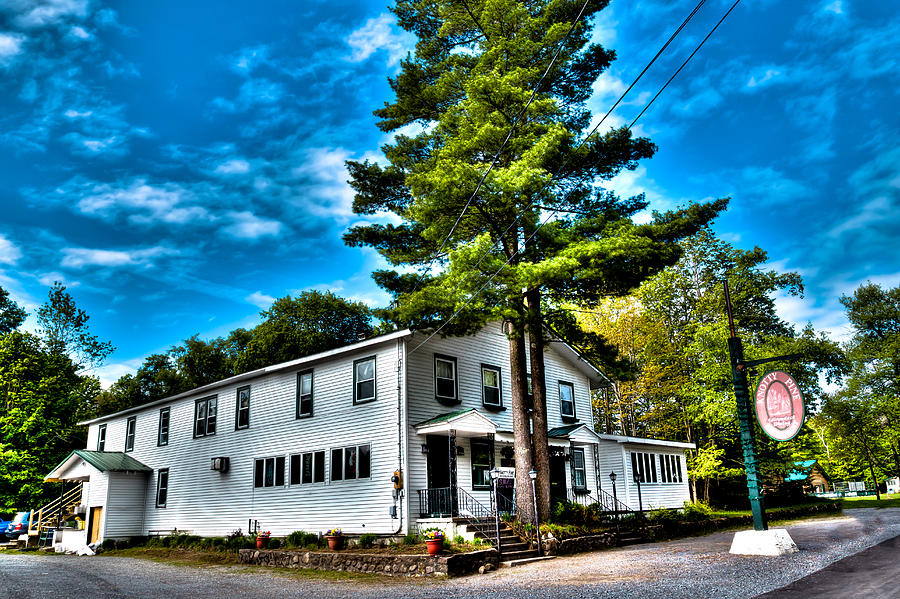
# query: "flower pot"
[[335, 542], [434, 546], [262, 542]]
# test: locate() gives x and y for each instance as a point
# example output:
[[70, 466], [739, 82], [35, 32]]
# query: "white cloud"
[[80, 33], [233, 167], [836, 7], [377, 34], [10, 47], [48, 278], [260, 300], [764, 76], [81, 257], [246, 225], [249, 58], [145, 204], [9, 253], [110, 373], [41, 13]]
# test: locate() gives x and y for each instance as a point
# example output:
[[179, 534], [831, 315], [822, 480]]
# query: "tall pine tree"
[[466, 90]]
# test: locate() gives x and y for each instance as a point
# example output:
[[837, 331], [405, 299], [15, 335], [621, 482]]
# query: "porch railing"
[[608, 503]]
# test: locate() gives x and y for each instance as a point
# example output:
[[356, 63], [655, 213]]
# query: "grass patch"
[[871, 501], [185, 557]]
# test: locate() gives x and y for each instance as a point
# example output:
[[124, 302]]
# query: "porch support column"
[[452, 457], [595, 450]]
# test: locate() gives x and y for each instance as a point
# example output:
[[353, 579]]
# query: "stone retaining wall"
[[457, 564], [553, 546]]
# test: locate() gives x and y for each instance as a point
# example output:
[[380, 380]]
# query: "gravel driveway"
[[693, 568]]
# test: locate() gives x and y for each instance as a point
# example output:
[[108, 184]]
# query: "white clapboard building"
[[315, 443]]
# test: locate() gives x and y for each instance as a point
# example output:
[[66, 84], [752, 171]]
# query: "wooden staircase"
[[50, 516]]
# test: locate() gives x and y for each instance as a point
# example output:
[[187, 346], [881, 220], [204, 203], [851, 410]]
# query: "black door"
[[557, 479], [439, 475]]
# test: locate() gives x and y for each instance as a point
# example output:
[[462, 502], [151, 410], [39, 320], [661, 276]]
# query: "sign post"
[[760, 540]]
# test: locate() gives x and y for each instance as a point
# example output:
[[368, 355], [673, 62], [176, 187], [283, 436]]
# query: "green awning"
[[104, 461]]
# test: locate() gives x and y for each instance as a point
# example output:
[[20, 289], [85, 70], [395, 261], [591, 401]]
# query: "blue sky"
[[180, 164]]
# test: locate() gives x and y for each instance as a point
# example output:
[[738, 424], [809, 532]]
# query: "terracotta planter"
[[262, 542], [335, 542], [434, 546]]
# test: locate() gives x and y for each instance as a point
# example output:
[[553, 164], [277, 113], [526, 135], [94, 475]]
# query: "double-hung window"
[[670, 468], [490, 387], [205, 417], [348, 463], [130, 425], [304, 394], [242, 409], [162, 435], [643, 465], [101, 437], [481, 464], [579, 478], [445, 387], [162, 487], [567, 400], [307, 468], [268, 472], [364, 380]]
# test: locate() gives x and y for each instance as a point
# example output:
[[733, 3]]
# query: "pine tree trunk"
[[539, 409], [521, 422]]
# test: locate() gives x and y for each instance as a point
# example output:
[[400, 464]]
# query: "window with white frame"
[[349, 463], [130, 426], [490, 387], [268, 472], [567, 400], [162, 434], [445, 387], [101, 437], [307, 468], [205, 416], [242, 409], [579, 473], [162, 487], [670, 468], [304, 394], [644, 465], [364, 380]]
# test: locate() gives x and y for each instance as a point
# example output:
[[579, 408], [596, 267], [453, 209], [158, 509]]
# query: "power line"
[[585, 139], [556, 211]]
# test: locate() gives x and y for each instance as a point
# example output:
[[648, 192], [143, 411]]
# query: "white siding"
[[126, 505], [612, 460], [491, 347], [208, 502], [658, 494]]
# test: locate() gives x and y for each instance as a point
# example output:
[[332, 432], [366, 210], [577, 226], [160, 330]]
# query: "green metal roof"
[[563, 431], [109, 461], [446, 417]]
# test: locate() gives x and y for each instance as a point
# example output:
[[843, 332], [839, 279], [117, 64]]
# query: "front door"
[[438, 461], [557, 479], [94, 533]]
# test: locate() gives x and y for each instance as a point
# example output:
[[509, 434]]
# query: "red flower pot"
[[434, 546], [262, 542], [335, 542]]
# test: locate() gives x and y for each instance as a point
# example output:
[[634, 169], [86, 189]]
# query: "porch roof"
[[466, 423], [104, 461]]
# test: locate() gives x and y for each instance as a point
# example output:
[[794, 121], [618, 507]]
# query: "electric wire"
[[555, 211]]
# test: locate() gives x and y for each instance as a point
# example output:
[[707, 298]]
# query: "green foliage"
[[663, 517], [64, 328], [696, 511], [367, 540], [411, 539], [11, 314], [300, 538], [459, 540]]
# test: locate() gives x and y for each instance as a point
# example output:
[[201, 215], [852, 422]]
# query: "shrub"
[[108, 545], [367, 540], [694, 512], [663, 516], [410, 539], [274, 543], [459, 540], [295, 539]]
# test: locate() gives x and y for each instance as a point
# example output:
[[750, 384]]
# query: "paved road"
[[694, 568]]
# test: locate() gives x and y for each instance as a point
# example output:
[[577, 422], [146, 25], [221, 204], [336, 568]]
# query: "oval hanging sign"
[[779, 405]]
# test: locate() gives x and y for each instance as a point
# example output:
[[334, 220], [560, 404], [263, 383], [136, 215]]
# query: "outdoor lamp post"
[[612, 479], [532, 474]]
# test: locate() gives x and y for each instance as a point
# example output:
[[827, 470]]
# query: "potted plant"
[[434, 540], [335, 539], [262, 539]]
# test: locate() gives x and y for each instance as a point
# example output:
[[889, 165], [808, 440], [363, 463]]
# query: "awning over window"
[[466, 423]]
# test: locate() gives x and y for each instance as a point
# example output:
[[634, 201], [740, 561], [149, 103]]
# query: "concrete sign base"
[[775, 541]]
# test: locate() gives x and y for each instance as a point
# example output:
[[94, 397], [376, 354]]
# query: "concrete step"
[[526, 560], [522, 554], [514, 546], [632, 540]]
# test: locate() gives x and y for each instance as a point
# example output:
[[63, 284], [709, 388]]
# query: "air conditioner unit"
[[220, 464]]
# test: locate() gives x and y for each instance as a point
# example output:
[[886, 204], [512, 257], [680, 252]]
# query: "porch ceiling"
[[466, 423]]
